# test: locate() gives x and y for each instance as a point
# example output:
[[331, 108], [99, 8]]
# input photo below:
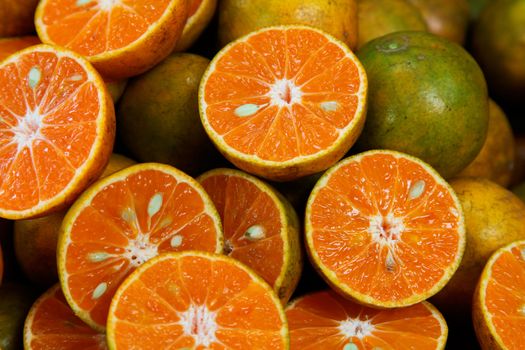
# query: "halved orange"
[[383, 228], [57, 128], [51, 324], [9, 46], [196, 300], [120, 37], [284, 102], [261, 228], [200, 13], [121, 222], [499, 301], [326, 321]]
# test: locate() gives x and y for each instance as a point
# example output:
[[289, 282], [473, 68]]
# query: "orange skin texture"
[[336, 17], [9, 46], [17, 17], [446, 18], [35, 240], [497, 44], [196, 24], [495, 161], [518, 174], [494, 217], [380, 17]]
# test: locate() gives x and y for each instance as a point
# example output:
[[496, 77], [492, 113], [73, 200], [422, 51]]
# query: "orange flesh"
[[9, 46], [91, 29], [149, 312], [241, 205], [373, 195], [505, 297], [55, 326], [193, 7], [46, 131], [314, 322], [115, 221], [245, 75]]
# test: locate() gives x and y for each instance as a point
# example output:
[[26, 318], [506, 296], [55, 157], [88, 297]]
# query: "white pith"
[[107, 5], [27, 130], [199, 323], [285, 93], [354, 327]]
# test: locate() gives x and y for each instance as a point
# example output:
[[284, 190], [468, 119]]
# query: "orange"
[[51, 324], [494, 217], [57, 130], [284, 102], [518, 175], [200, 13], [196, 300], [35, 240], [427, 97], [261, 228], [17, 17], [8, 46], [120, 37], [240, 17], [326, 321], [383, 228], [446, 18], [499, 301], [121, 222], [377, 18], [495, 161]]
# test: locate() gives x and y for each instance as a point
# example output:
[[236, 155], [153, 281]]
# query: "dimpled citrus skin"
[[427, 97], [240, 17], [494, 217]]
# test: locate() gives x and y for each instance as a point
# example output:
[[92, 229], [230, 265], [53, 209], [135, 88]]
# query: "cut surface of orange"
[[499, 301], [200, 13], [120, 37], [51, 324], [284, 102], [121, 222], [326, 321], [9, 46], [261, 229], [196, 300], [384, 229], [57, 128]]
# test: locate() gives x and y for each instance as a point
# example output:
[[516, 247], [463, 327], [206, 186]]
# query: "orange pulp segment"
[[9, 46], [261, 229], [121, 222], [57, 127], [120, 37], [385, 229], [499, 302], [51, 324], [198, 301], [327, 321], [284, 102]]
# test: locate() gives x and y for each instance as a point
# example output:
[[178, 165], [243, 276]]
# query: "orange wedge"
[[196, 300], [200, 13], [121, 222], [261, 228], [326, 321], [57, 127], [120, 37], [9, 46], [51, 324], [383, 228], [284, 102], [499, 301]]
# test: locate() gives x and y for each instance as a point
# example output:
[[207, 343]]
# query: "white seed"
[[165, 222], [176, 241], [350, 346], [100, 290], [246, 110], [329, 106], [416, 189], [76, 77], [98, 256], [255, 232], [390, 262], [34, 77], [128, 215], [82, 2], [155, 204]]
